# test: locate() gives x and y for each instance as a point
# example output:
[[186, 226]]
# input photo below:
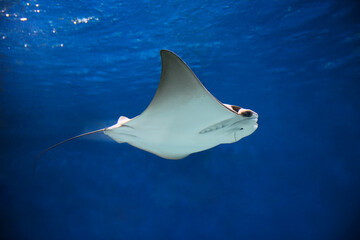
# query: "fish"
[[183, 117]]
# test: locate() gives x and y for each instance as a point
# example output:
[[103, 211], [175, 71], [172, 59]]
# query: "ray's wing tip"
[[164, 52], [167, 55]]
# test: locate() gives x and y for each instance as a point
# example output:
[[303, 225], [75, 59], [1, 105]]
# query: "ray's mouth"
[[255, 120]]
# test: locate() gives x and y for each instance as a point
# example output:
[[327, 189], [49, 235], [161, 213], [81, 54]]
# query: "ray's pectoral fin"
[[172, 156]]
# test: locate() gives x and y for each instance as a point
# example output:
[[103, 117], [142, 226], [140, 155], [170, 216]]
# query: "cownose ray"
[[182, 118]]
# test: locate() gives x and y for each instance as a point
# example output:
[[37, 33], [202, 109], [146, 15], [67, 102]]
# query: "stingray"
[[182, 118]]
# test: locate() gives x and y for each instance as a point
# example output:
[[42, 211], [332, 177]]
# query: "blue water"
[[68, 67]]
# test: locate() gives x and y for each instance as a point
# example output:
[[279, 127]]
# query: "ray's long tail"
[[81, 135]]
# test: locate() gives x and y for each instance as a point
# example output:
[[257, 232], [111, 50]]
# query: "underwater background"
[[68, 67]]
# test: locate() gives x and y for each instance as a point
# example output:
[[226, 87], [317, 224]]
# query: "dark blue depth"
[[68, 67]]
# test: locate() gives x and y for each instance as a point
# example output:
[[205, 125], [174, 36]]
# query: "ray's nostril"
[[247, 113]]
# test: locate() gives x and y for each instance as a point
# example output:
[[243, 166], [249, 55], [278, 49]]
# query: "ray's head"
[[247, 123]]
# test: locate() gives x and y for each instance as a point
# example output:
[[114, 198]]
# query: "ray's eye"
[[235, 108], [247, 114]]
